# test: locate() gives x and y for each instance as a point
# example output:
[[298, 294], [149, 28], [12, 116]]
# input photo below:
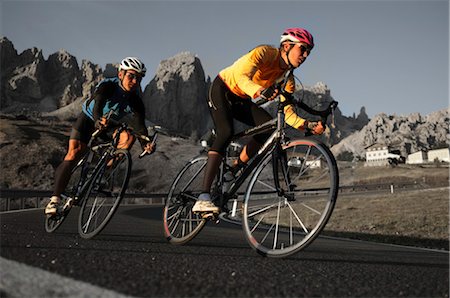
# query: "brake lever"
[[329, 111], [144, 153]]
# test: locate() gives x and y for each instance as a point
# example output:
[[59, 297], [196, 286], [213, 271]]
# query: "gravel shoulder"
[[408, 217]]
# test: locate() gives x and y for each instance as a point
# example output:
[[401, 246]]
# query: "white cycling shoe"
[[53, 205], [205, 205]]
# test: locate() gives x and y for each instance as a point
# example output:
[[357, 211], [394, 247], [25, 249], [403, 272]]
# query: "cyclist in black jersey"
[[120, 95]]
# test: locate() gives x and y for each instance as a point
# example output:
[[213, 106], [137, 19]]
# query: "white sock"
[[204, 197]]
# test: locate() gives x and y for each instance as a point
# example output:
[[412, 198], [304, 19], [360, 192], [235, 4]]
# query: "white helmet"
[[133, 63]]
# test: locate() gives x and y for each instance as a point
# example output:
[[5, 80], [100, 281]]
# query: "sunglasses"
[[133, 76], [303, 47]]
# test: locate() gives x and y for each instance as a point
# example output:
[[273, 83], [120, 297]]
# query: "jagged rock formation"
[[32, 83], [176, 97], [407, 134]]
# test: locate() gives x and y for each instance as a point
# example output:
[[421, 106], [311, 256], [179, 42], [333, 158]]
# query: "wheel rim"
[[284, 215], [104, 194], [180, 223]]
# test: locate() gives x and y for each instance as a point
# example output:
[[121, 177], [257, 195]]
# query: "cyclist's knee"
[[76, 148], [222, 140], [126, 140], [72, 155], [215, 152]]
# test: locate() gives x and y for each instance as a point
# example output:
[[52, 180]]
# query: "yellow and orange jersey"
[[258, 68]]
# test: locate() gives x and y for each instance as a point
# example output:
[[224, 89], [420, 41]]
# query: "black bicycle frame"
[[271, 143], [267, 148], [87, 160]]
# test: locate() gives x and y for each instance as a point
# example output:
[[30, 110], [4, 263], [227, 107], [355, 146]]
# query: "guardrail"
[[17, 199]]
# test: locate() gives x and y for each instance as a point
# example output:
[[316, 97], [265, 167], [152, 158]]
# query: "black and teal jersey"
[[109, 96]]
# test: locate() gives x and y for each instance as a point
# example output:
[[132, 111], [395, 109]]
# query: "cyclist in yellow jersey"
[[230, 98]]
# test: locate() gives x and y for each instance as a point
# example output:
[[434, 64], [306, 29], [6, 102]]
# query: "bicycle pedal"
[[68, 205], [209, 215]]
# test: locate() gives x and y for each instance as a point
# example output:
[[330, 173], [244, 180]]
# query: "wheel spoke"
[[277, 223], [297, 218]]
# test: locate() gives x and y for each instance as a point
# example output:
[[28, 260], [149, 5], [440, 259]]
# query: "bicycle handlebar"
[[323, 114], [268, 92], [124, 126]]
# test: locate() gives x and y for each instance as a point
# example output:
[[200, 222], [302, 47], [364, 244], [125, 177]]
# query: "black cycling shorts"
[[226, 106], [82, 129]]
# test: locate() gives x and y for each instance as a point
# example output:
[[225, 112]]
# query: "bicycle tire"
[[52, 223], [104, 194], [290, 198], [181, 225]]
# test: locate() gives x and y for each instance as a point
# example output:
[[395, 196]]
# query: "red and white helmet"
[[133, 63], [297, 35]]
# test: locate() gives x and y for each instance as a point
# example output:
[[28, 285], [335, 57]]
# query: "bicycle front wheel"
[[104, 194], [290, 198], [180, 224]]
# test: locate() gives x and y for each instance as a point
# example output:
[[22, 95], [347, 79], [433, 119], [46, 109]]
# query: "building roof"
[[376, 145]]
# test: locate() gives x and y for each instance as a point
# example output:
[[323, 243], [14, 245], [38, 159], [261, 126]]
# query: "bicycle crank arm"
[[210, 216]]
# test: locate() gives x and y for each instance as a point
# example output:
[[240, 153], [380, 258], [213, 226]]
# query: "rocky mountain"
[[175, 97], [31, 83], [407, 134]]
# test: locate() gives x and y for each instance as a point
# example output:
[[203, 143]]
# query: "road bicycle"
[[291, 194], [98, 183]]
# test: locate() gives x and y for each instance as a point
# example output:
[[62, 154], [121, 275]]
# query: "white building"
[[417, 158], [420, 157], [379, 155], [439, 154]]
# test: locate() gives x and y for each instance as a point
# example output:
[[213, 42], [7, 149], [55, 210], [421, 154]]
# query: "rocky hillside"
[[175, 97], [32, 147], [29, 82], [407, 134]]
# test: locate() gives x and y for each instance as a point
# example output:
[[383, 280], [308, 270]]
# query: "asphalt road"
[[131, 257]]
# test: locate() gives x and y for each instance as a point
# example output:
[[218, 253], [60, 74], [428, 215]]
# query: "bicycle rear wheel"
[[53, 222], [290, 198], [180, 224], [104, 194]]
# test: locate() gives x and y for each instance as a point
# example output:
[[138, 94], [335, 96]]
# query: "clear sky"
[[389, 56]]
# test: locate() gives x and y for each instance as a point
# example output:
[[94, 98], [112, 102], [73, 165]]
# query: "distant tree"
[[345, 156], [437, 162]]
